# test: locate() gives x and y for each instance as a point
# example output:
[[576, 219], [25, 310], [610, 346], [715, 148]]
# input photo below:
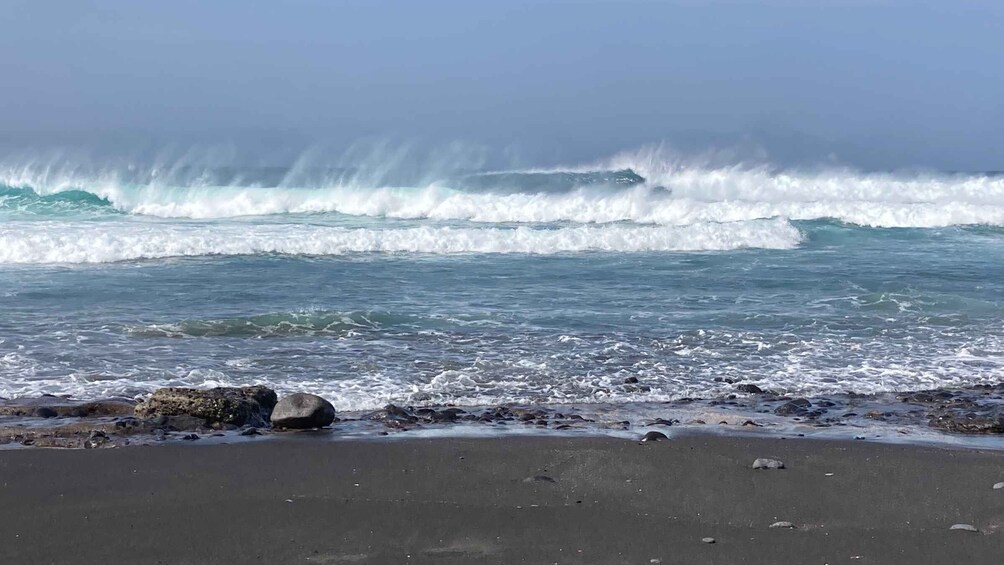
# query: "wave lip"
[[83, 242]]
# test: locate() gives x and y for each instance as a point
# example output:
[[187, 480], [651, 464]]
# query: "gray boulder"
[[246, 406], [302, 411]]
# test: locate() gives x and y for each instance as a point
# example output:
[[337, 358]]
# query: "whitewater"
[[445, 284], [681, 196]]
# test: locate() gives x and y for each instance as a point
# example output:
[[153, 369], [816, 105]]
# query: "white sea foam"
[[673, 194], [82, 242]]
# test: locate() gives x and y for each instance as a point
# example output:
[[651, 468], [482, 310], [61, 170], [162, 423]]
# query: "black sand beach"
[[502, 500]]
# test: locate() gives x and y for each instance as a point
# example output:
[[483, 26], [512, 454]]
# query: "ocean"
[[478, 287]]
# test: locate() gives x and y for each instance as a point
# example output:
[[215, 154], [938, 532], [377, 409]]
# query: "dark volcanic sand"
[[612, 501]]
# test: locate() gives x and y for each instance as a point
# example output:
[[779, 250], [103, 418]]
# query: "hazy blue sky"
[[877, 84]]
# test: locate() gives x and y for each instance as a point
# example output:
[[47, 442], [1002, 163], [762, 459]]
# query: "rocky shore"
[[190, 414]]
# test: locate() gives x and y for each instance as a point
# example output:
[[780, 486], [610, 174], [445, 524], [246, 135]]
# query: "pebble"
[[764, 463], [964, 527], [654, 436], [708, 540], [782, 525], [998, 486]]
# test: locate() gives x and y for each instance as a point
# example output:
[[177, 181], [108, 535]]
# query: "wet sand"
[[492, 500]]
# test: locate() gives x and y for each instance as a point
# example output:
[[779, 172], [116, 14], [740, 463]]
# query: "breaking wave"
[[104, 242], [628, 189]]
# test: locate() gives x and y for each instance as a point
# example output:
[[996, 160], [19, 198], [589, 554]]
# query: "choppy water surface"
[[476, 289]]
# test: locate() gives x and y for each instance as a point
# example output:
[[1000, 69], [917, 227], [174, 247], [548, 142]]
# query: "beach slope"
[[502, 500]]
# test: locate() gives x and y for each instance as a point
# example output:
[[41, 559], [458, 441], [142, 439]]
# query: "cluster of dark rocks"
[[977, 409], [185, 412], [404, 418]]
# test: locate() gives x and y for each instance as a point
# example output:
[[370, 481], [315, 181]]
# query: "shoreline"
[[971, 417], [561, 500]]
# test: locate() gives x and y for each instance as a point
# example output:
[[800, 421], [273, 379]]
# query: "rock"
[[998, 486], [708, 540], [48, 406], [302, 411], [110, 407], [393, 417], [631, 381], [181, 423], [788, 525], [433, 416], [527, 414], [654, 436], [662, 422], [128, 424], [764, 463], [984, 420], [793, 407], [95, 439], [964, 528], [238, 406], [749, 389]]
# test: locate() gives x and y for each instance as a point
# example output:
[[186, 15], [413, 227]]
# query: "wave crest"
[[635, 188]]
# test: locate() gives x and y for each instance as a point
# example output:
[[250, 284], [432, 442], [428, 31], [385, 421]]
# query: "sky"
[[876, 85]]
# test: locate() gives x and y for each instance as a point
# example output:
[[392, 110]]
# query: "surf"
[[622, 190], [107, 242]]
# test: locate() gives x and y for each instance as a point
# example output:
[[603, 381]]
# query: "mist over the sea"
[[858, 84]]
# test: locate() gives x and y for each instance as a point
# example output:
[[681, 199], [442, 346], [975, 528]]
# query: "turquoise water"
[[475, 289]]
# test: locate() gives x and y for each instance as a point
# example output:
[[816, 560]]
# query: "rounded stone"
[[302, 411], [708, 540], [45, 412], [964, 527], [749, 389], [765, 463], [998, 486]]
